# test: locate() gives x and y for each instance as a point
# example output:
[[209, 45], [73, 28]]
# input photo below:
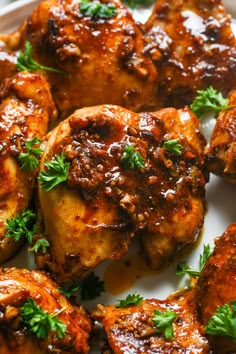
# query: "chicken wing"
[[121, 182], [26, 106], [221, 154], [131, 329], [17, 286], [103, 57], [193, 47], [7, 64]]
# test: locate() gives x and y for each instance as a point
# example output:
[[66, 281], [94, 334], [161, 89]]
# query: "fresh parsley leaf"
[[42, 244], [208, 100], [223, 322], [133, 3], [183, 268], [56, 173], [131, 159], [23, 225], [130, 300], [25, 62], [40, 322], [29, 159], [173, 146], [91, 287], [163, 321], [68, 292], [97, 9]]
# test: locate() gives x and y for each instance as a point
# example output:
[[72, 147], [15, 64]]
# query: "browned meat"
[[26, 107], [7, 64], [131, 330], [104, 57], [193, 47], [92, 216], [221, 154], [217, 284], [19, 285]]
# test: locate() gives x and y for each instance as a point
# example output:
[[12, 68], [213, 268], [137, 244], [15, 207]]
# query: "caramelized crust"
[[131, 330], [193, 47], [16, 287]]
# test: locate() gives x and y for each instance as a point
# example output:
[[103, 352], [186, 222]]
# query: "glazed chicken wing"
[[221, 154], [103, 57], [26, 107], [121, 182], [131, 329], [17, 286], [193, 47]]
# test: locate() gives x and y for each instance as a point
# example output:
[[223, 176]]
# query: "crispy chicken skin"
[[92, 216], [26, 107], [104, 57], [221, 154], [131, 330], [16, 287], [193, 46], [217, 283]]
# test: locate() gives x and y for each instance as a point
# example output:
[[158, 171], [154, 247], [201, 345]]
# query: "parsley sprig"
[[173, 146], [209, 100], [41, 244], [91, 287], [131, 159], [223, 322], [163, 321], [133, 3], [40, 322], [56, 173], [70, 290], [25, 62], [183, 268], [130, 300], [97, 9], [29, 159]]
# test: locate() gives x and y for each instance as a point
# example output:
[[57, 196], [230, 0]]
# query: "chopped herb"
[[56, 173], [91, 287], [131, 159], [29, 159], [173, 146], [23, 225], [40, 322], [209, 100], [223, 322], [41, 244], [163, 321], [97, 9], [25, 62], [130, 300], [183, 268], [68, 292], [133, 3]]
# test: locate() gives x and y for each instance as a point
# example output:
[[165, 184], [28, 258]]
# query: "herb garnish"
[[56, 173], [40, 322], [42, 244], [209, 100], [23, 225], [130, 300], [163, 321], [91, 287], [25, 62], [182, 268], [223, 322], [133, 3], [97, 9], [68, 292], [173, 146], [131, 159], [29, 160]]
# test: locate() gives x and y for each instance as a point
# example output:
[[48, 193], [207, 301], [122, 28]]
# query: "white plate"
[[220, 197]]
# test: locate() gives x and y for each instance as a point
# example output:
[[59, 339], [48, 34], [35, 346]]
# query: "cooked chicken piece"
[[103, 57], [193, 47], [131, 329], [17, 286], [104, 202], [26, 106], [221, 154], [7, 64], [217, 284]]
